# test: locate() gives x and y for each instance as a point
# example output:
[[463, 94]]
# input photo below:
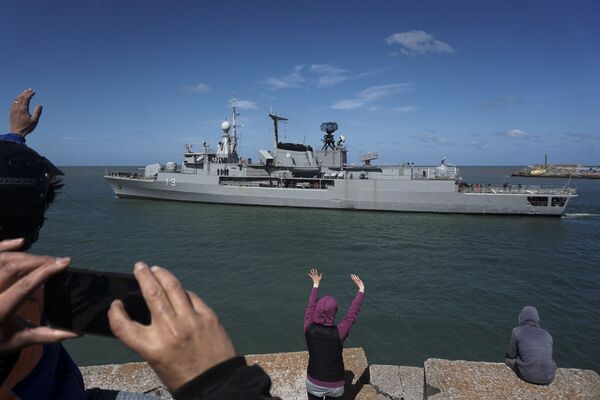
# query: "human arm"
[[185, 343], [511, 352], [350, 317], [21, 274], [231, 379], [315, 276], [22, 122]]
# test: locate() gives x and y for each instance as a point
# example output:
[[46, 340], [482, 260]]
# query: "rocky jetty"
[[559, 171], [437, 380]]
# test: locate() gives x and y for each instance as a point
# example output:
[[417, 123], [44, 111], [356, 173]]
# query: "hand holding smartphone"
[[78, 300], [183, 340]]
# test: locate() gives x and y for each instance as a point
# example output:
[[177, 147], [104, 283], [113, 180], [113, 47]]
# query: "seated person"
[[324, 339], [529, 353], [185, 342]]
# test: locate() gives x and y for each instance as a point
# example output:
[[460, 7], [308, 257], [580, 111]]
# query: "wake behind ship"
[[296, 175]]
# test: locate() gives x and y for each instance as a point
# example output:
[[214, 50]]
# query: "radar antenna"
[[328, 139]]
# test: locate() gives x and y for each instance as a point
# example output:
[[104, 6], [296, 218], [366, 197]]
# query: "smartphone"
[[78, 300]]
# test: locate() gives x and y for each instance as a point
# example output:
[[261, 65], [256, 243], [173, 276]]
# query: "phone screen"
[[78, 300]]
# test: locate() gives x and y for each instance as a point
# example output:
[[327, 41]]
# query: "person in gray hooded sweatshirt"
[[529, 353]]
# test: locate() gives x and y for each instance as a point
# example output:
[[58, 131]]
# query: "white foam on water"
[[580, 215]]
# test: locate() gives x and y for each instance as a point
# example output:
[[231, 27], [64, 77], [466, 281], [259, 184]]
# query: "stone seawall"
[[437, 380], [550, 171]]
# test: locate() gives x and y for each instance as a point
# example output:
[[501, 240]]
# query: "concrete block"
[[450, 380], [131, 377], [397, 383], [288, 374]]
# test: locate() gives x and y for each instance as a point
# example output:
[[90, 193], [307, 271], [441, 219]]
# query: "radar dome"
[[225, 126]]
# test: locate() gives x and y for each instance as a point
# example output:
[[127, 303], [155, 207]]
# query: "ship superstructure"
[[296, 175]]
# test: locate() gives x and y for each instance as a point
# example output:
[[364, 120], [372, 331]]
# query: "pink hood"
[[325, 311]]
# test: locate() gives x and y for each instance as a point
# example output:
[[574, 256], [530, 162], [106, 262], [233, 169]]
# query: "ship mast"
[[276, 118], [234, 114]]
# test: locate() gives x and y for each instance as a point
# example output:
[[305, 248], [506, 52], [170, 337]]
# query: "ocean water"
[[448, 286]]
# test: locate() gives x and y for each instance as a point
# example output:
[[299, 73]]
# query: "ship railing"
[[128, 175], [278, 182], [517, 189]]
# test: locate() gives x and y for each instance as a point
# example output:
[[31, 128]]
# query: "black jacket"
[[232, 379], [325, 361]]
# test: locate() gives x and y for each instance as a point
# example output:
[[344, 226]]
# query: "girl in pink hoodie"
[[324, 339]]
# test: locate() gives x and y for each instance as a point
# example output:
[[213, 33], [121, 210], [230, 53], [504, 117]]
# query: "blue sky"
[[481, 83]]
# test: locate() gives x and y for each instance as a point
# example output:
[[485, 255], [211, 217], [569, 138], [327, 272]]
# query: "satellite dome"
[[225, 126]]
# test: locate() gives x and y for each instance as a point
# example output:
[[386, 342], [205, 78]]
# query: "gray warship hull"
[[295, 175], [352, 194]]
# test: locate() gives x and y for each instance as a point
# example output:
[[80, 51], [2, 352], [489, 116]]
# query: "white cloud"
[[418, 42], [370, 95], [516, 134], [244, 104], [392, 110], [370, 73], [197, 88], [292, 80], [329, 74], [319, 75]]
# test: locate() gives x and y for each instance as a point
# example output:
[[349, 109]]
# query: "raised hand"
[[185, 337], [21, 274], [21, 121], [316, 276], [359, 283]]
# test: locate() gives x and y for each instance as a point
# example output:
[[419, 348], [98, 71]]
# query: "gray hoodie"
[[531, 346]]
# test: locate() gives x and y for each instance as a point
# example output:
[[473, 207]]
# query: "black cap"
[[25, 177]]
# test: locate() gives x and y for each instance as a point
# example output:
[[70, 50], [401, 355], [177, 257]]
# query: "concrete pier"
[[437, 380]]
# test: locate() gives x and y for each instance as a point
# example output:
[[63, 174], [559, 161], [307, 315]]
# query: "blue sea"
[[448, 286]]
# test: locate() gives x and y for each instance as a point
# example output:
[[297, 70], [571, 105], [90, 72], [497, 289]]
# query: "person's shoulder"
[[8, 147], [546, 333], [23, 157], [517, 331]]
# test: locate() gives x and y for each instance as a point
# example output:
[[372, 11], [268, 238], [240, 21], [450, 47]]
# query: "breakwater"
[[557, 171], [437, 379]]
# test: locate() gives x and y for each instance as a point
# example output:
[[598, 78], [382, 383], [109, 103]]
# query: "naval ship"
[[296, 175]]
